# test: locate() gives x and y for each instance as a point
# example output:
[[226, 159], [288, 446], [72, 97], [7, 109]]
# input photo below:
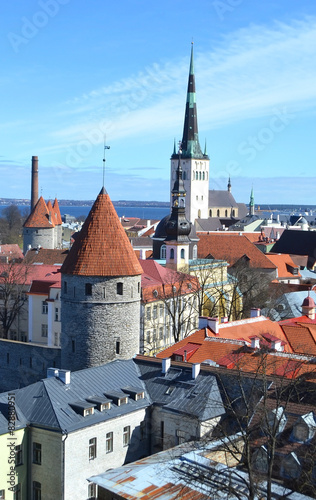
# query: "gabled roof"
[[218, 198], [46, 256], [232, 247], [292, 242], [285, 265], [10, 252], [39, 217], [102, 247]]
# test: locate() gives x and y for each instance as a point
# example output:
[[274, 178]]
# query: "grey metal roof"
[[217, 198], [177, 391], [48, 402]]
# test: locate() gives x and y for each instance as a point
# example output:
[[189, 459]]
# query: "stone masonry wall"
[[24, 363], [43, 237], [100, 327]]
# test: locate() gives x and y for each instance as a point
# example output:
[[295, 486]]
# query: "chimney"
[[166, 362], [64, 376], [255, 343], [195, 370], [255, 312], [52, 372], [34, 182], [213, 324]]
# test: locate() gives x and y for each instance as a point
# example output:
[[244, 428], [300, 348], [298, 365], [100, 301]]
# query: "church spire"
[[229, 185], [252, 203], [190, 141]]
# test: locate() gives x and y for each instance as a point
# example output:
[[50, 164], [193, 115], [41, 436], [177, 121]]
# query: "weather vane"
[[105, 147]]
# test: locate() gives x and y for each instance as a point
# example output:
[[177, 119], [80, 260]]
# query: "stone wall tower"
[[194, 163], [101, 291], [43, 227]]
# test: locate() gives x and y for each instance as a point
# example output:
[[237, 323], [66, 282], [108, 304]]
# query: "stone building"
[[100, 292], [43, 227]]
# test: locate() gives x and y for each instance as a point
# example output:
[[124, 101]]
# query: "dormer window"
[[135, 392], [83, 408], [88, 411], [118, 397]]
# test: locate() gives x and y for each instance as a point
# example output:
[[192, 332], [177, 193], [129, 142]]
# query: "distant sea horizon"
[[142, 212]]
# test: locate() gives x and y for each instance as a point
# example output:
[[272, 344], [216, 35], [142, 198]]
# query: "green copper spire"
[[252, 203], [190, 141]]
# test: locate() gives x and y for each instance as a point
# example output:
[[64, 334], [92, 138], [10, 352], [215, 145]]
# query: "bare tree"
[[11, 222], [257, 407], [13, 284]]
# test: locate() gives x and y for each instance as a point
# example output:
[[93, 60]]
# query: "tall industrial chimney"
[[34, 182]]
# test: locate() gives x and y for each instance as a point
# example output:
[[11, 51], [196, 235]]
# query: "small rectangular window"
[[117, 347], [161, 333], [44, 307], [73, 345], [2, 494], [109, 442], [92, 448], [37, 490], [155, 312], [56, 314], [119, 288], [65, 286], [148, 312], [18, 455], [126, 435], [56, 339], [92, 491], [44, 330], [88, 289], [17, 492], [37, 453]]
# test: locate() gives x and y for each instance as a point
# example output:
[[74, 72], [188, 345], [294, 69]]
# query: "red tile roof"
[[285, 264], [57, 212], [11, 252], [102, 247], [45, 256], [232, 247], [39, 217]]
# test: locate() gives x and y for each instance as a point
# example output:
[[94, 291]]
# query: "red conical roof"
[[57, 212], [102, 247], [39, 217]]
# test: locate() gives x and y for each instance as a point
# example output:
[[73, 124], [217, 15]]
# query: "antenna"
[[105, 147]]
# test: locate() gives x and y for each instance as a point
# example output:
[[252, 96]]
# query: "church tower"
[[178, 227], [194, 163], [252, 203], [100, 293]]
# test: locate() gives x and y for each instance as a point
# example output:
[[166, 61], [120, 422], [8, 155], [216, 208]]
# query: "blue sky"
[[74, 70]]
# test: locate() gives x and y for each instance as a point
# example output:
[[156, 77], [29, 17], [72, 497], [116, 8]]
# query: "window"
[[119, 288], [44, 330], [37, 453], [37, 490], [44, 307], [196, 175], [56, 338], [163, 251], [161, 310], [226, 213], [74, 291], [138, 287], [2, 494], [218, 212], [210, 213], [92, 491], [117, 347], [126, 435], [161, 333], [180, 436], [203, 176], [148, 312], [172, 253], [148, 336], [88, 289], [132, 292], [18, 455], [92, 448], [73, 345], [182, 253], [109, 442], [56, 314], [88, 411], [65, 286], [197, 197], [155, 311]]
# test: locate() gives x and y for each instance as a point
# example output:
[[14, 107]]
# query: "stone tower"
[[101, 291], [43, 227], [194, 163]]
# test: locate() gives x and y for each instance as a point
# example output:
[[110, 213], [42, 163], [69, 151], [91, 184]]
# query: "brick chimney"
[[34, 182]]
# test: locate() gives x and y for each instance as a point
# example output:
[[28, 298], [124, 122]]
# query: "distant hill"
[[88, 203]]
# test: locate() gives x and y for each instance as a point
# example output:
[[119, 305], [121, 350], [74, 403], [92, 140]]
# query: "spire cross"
[[105, 147]]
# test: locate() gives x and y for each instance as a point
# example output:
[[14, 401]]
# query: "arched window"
[[210, 213], [226, 213], [182, 253], [172, 253], [217, 213], [200, 175], [203, 176], [119, 288], [233, 213], [197, 175], [199, 214], [195, 252], [163, 251], [184, 176]]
